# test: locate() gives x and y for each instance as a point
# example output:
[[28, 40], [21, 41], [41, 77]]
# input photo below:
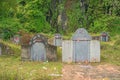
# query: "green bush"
[[9, 27], [106, 23]]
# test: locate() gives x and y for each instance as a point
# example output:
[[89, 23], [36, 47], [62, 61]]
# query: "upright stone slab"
[[94, 51], [57, 40], [104, 36], [81, 45], [38, 48], [67, 51]]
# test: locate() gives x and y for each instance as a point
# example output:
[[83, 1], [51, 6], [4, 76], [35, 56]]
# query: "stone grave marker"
[[57, 40], [39, 49], [81, 45], [81, 48], [104, 36]]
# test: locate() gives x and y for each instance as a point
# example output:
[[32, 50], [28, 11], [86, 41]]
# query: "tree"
[[33, 15], [7, 8]]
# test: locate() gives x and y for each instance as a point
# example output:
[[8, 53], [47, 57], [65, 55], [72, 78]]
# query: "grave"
[[39, 49], [38, 45], [81, 45], [104, 36], [81, 48]]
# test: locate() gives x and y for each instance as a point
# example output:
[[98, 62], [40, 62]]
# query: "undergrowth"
[[111, 53], [10, 48]]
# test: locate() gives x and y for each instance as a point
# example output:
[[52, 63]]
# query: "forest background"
[[59, 16]]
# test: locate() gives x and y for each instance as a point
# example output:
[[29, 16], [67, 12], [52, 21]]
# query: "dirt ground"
[[89, 72]]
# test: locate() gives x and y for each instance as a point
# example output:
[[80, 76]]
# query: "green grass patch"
[[12, 68], [59, 54], [110, 53]]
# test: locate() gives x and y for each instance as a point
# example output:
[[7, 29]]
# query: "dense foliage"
[[65, 16], [94, 15]]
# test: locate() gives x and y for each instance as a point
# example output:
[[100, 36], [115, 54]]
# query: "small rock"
[[44, 68], [55, 74]]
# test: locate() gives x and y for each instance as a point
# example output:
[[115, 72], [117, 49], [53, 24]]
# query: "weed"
[[110, 53]]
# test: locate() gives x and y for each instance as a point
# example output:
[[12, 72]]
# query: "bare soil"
[[90, 72]]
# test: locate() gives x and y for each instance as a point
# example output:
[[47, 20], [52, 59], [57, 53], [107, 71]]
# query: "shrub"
[[25, 37]]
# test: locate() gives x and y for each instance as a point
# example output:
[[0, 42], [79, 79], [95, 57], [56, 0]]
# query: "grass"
[[14, 49], [59, 54], [10, 44], [13, 68], [110, 52]]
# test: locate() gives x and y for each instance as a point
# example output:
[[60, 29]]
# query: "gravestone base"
[[25, 55], [67, 51], [94, 51]]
